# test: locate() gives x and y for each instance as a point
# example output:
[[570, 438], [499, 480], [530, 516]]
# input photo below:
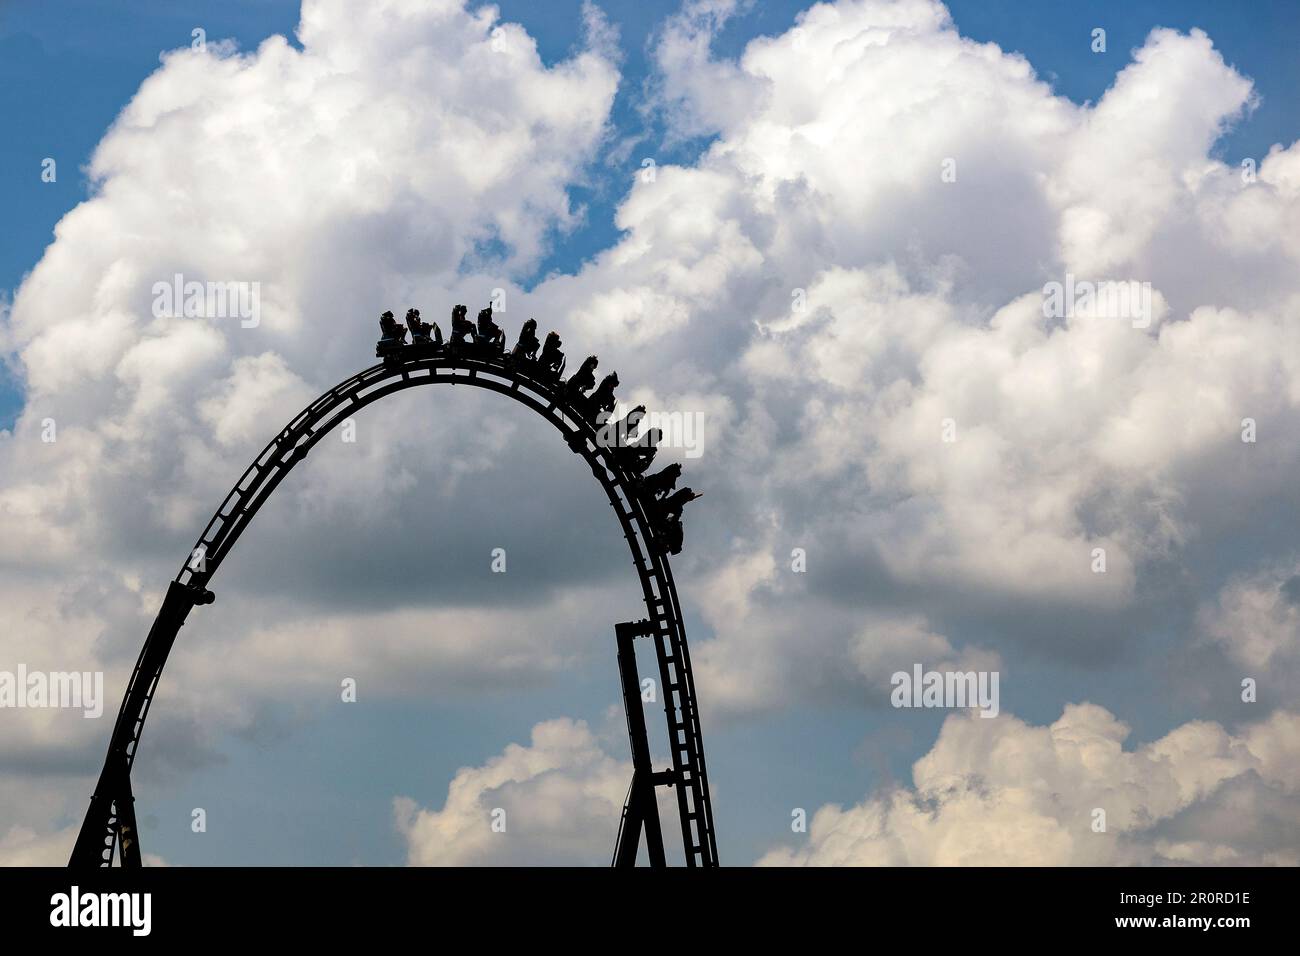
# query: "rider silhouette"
[[552, 359], [462, 329], [420, 330], [526, 347], [389, 329], [489, 331]]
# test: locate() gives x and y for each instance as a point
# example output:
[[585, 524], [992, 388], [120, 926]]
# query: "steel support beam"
[[642, 809]]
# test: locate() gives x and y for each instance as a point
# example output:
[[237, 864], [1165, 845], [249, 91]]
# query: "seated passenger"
[[420, 330], [462, 329], [526, 347], [584, 379], [637, 456], [668, 518], [627, 425], [672, 506], [617, 434], [389, 329], [662, 482], [552, 359], [602, 399], [489, 331], [669, 535]]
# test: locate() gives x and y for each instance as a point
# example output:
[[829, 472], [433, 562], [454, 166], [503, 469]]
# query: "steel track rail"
[[110, 820]]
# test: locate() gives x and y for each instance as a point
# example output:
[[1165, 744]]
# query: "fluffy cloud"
[[562, 797], [23, 846], [418, 152], [850, 656], [1003, 792], [818, 268], [1256, 619], [368, 167]]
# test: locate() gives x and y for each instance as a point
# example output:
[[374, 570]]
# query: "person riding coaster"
[[390, 331], [671, 506], [552, 359], [489, 332], [669, 535], [662, 482], [602, 399], [667, 516], [636, 456], [527, 346], [663, 504], [583, 380], [462, 329], [629, 423], [420, 330], [614, 434]]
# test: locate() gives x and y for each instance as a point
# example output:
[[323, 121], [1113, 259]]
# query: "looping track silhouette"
[[110, 821]]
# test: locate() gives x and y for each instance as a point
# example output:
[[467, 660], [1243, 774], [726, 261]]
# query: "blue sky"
[[67, 69]]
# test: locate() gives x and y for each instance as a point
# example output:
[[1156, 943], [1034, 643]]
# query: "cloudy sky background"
[[422, 153]]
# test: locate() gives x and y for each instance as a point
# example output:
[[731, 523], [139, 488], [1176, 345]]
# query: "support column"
[[111, 816], [642, 810]]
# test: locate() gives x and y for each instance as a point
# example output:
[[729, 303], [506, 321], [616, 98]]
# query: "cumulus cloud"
[[698, 94], [367, 167], [416, 153], [905, 407], [23, 846], [1255, 619], [1004, 792], [850, 655], [556, 801]]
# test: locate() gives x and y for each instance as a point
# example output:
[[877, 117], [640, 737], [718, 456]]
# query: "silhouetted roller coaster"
[[649, 516]]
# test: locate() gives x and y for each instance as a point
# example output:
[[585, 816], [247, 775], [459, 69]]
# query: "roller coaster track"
[[110, 821]]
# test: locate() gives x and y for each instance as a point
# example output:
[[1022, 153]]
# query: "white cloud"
[[358, 172], [1003, 792], [1256, 620], [779, 645], [235, 412], [362, 170], [23, 846], [922, 302], [562, 796], [698, 94], [408, 153]]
